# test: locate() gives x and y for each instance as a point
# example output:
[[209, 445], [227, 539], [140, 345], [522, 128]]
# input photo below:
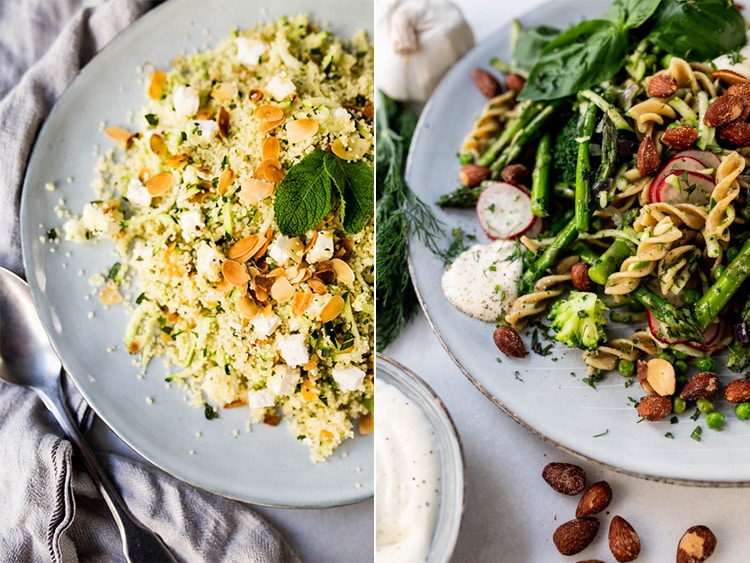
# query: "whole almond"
[[724, 109], [696, 545], [701, 386], [509, 342], [472, 175], [661, 376], [487, 84], [737, 391], [680, 137], [662, 86], [566, 478], [580, 277], [515, 82], [516, 174], [654, 407], [595, 499], [624, 542], [575, 535], [741, 89], [648, 157], [736, 133]]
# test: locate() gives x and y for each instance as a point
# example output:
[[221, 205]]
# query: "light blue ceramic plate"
[[265, 466], [547, 395]]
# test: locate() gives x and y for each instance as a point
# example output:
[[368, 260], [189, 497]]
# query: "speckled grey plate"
[[265, 466], [547, 395]]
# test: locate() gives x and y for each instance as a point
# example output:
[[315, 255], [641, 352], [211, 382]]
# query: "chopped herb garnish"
[[152, 119], [601, 434], [52, 234], [696, 433], [210, 412]]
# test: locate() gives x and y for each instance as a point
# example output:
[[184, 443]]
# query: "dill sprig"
[[399, 212]]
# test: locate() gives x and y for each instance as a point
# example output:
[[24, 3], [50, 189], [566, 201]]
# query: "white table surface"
[[511, 512]]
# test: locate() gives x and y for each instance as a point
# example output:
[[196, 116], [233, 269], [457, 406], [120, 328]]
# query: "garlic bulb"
[[417, 41]]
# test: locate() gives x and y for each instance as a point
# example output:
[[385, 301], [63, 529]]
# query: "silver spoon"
[[27, 359]]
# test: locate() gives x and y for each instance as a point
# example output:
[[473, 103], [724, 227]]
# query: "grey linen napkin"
[[50, 509]]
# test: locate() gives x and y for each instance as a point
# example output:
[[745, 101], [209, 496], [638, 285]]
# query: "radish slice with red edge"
[[685, 186], [707, 158], [675, 165], [504, 211]]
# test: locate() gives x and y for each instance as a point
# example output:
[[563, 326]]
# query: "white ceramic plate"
[[265, 466], [548, 396]]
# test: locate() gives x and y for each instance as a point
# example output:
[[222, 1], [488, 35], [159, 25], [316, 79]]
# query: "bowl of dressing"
[[419, 469]]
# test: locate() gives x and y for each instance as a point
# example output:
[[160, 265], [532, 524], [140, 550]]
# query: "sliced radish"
[[504, 211], [708, 158], [675, 165], [684, 186], [712, 335]]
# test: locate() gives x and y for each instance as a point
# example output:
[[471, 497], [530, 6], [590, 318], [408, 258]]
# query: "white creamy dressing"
[[407, 482], [483, 280]]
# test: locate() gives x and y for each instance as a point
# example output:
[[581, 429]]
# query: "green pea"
[[665, 356], [681, 367], [732, 253], [679, 354], [742, 410], [715, 420], [679, 405], [626, 368], [706, 364], [691, 296], [704, 405]]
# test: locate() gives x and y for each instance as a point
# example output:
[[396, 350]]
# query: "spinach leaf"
[[529, 45], [631, 13], [584, 55], [698, 29]]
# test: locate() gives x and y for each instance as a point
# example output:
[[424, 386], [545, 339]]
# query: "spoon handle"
[[138, 542]]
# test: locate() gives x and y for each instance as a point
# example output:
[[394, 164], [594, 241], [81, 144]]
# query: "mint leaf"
[[354, 182], [303, 197]]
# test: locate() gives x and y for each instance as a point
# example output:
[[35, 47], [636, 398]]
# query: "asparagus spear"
[[583, 168], [680, 324], [521, 138], [461, 197], [610, 261], [722, 290], [527, 112], [608, 108], [563, 239], [540, 179]]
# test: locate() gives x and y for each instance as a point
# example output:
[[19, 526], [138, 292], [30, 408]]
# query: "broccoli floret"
[[579, 321], [565, 150]]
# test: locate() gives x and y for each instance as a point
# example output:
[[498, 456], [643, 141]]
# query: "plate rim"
[[422, 130], [159, 12]]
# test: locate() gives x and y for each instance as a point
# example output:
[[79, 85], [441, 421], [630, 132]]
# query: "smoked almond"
[[624, 542], [574, 536], [680, 137], [724, 109], [566, 478], [662, 86], [737, 391], [595, 499]]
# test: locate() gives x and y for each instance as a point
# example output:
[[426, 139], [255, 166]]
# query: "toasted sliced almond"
[[661, 376], [157, 145], [271, 148], [332, 309], [225, 180], [118, 133], [235, 404], [247, 307], [300, 302], [246, 247], [177, 160], [156, 87], [281, 290], [357, 148], [224, 92], [311, 242], [270, 170], [301, 129], [366, 424], [728, 76], [256, 95], [344, 272], [308, 390], [110, 295], [222, 122], [269, 113], [254, 190], [262, 250], [223, 286], [159, 184], [317, 286], [235, 273], [204, 113]]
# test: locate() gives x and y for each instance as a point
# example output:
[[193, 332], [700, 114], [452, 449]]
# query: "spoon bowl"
[[28, 359]]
